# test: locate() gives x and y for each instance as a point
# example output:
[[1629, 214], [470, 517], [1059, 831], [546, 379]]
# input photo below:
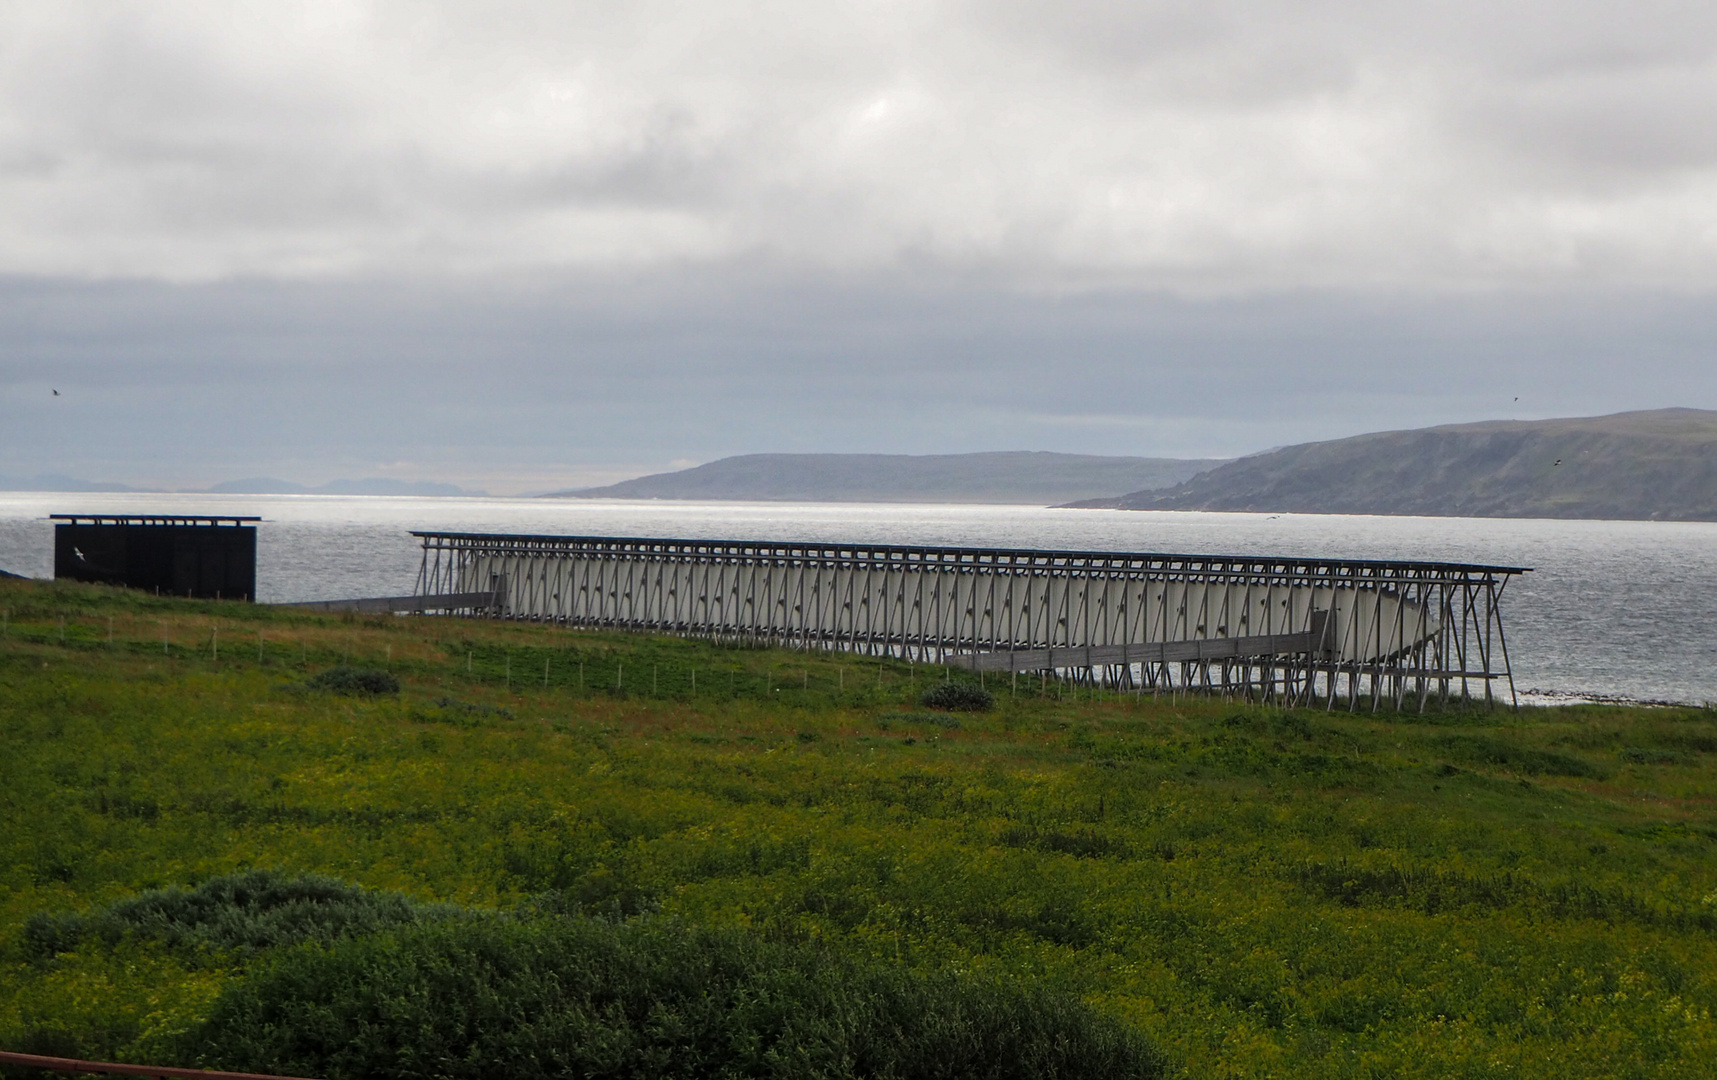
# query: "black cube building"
[[209, 557]]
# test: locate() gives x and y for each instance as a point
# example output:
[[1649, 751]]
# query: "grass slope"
[[1254, 892]]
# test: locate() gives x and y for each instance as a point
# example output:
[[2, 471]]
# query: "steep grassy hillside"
[[1026, 478], [1240, 890], [1643, 465]]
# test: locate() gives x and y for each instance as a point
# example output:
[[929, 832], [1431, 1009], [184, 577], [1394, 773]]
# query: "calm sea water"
[[1622, 608]]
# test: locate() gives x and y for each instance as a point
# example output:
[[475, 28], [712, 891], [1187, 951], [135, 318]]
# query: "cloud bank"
[[1193, 147], [517, 245]]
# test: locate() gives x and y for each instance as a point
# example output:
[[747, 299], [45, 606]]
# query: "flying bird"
[[1555, 463], [79, 553], [56, 393]]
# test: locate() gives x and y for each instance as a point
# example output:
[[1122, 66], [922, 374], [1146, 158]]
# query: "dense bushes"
[[366, 682], [339, 981], [578, 997], [350, 982], [958, 697], [241, 912]]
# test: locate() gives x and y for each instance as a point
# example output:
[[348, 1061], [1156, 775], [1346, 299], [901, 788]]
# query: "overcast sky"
[[528, 245]]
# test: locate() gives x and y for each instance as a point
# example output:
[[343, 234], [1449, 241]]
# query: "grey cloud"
[[1178, 146], [532, 244], [1603, 134]]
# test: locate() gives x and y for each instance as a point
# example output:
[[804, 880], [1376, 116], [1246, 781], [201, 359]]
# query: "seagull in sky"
[[56, 393]]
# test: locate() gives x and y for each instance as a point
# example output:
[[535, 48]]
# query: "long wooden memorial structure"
[[1280, 628]]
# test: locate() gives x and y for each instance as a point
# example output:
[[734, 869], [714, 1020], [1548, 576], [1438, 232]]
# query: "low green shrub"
[[958, 697], [886, 721], [1080, 843], [1650, 755], [244, 912], [447, 710], [355, 681], [1520, 759], [645, 999]]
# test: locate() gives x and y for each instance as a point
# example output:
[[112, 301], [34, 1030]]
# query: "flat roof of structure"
[[150, 519], [978, 554]]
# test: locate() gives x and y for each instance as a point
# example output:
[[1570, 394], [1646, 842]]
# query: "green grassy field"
[[1257, 892]]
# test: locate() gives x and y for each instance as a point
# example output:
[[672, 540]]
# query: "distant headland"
[[1657, 465], [1654, 465], [1022, 477], [257, 485]]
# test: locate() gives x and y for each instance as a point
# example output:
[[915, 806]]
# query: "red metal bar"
[[73, 1065]]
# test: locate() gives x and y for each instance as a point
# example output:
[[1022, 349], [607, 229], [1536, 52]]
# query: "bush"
[[886, 721], [580, 997], [1520, 759], [1646, 755], [957, 697], [243, 912], [355, 681], [461, 713], [1080, 843]]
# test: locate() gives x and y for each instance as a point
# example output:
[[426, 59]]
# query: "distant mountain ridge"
[[267, 485], [57, 482], [1019, 477], [261, 485], [1657, 465]]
